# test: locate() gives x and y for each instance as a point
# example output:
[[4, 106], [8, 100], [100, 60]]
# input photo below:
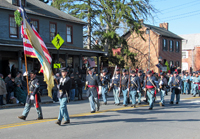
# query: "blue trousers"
[[139, 96], [104, 93], [94, 102], [150, 94], [72, 94], [125, 92], [133, 96], [195, 89], [173, 95], [162, 95], [191, 88], [63, 109], [116, 95], [55, 98], [28, 107], [186, 88]]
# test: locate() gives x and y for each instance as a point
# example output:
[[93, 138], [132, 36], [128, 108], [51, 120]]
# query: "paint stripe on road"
[[75, 115]]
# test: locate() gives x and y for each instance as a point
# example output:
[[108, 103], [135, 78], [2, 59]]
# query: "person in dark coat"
[[80, 86], [10, 88], [13, 71], [33, 97]]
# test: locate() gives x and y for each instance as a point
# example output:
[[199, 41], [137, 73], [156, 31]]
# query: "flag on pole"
[[35, 47]]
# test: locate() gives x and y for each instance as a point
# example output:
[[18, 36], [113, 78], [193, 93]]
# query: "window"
[[17, 2], [70, 61], [184, 54], [35, 23], [177, 63], [171, 63], [69, 34], [171, 46], [177, 46], [164, 44], [13, 27], [53, 30]]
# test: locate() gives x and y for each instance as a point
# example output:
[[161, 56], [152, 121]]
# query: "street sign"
[[57, 41], [56, 65]]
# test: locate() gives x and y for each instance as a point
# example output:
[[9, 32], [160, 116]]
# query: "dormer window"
[[17, 2]]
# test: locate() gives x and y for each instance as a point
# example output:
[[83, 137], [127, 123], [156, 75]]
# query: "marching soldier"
[[32, 98], [124, 84], [134, 87], [94, 89], [141, 77], [104, 81], [191, 82], [151, 84], [186, 84], [63, 93], [162, 88], [116, 86], [196, 81], [175, 85]]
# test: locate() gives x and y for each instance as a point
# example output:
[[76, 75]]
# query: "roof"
[[50, 46], [159, 31], [190, 41], [162, 31], [37, 7]]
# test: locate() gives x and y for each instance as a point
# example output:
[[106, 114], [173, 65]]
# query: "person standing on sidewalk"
[[3, 90], [64, 88], [33, 97]]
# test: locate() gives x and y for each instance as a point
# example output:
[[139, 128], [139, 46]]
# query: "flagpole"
[[26, 73]]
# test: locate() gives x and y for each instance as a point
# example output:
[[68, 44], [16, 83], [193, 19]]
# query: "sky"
[[183, 16]]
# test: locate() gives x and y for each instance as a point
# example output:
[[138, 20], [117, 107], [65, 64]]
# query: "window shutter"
[[172, 46], [166, 45]]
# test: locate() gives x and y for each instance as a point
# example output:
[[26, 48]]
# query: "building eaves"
[[36, 7]]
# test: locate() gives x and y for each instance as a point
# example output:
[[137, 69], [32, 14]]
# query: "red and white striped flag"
[[28, 48]]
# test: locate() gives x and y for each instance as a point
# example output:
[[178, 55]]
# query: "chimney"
[[164, 25]]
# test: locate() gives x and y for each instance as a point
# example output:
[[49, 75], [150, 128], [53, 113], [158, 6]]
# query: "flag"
[[91, 62], [35, 47]]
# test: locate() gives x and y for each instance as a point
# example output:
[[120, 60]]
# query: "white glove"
[[144, 89], [119, 89], [179, 88], [111, 84], [158, 89], [86, 82], [32, 97], [161, 83], [128, 89], [58, 86], [25, 73], [113, 78], [138, 91], [99, 90]]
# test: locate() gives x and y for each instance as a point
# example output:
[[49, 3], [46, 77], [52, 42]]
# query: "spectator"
[[3, 90], [18, 80], [7, 70], [8, 78], [10, 88], [72, 91], [13, 71], [80, 86]]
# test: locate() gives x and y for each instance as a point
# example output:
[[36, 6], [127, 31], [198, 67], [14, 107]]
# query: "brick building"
[[191, 52], [163, 44]]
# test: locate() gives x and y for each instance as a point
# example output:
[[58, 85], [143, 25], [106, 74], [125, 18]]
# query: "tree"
[[105, 18]]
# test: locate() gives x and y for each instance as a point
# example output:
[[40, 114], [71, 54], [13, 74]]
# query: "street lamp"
[[148, 32]]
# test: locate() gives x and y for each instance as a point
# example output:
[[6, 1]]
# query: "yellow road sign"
[[57, 41], [56, 65]]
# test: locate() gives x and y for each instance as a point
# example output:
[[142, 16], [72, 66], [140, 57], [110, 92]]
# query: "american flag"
[[91, 62], [28, 48]]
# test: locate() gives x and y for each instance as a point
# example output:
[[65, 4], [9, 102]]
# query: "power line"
[[180, 5], [184, 16]]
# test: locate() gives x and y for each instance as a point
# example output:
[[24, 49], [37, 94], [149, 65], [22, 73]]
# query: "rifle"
[[120, 83], [112, 80], [85, 82], [129, 81]]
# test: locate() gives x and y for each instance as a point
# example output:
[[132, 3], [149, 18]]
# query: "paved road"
[[114, 122]]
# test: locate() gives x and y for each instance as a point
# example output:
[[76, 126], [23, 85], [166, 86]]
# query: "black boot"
[[58, 122], [22, 117]]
